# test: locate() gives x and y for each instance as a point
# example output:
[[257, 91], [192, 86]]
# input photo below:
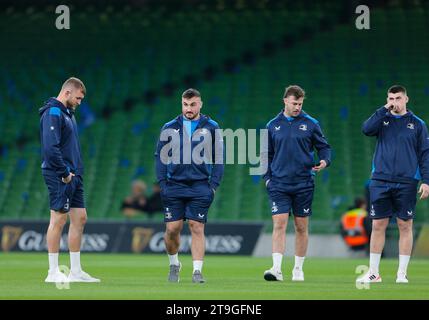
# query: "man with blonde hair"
[[62, 170]]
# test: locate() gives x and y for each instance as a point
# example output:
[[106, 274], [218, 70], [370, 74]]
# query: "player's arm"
[[323, 148], [161, 162], [218, 159], [372, 125], [423, 155], [267, 156], [51, 140]]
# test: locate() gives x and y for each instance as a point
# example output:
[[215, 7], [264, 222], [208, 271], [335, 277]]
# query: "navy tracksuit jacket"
[[402, 151], [189, 173], [291, 145], [61, 153]]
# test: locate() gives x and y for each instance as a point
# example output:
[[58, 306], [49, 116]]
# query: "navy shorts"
[[183, 201], [64, 196], [291, 198], [392, 199]]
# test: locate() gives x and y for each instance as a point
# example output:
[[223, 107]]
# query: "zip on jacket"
[[291, 144], [190, 172]]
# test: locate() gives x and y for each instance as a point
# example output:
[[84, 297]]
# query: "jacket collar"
[[281, 115], [53, 102], [408, 114]]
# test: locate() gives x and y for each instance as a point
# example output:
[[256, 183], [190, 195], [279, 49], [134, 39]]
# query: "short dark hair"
[[190, 93], [397, 88], [295, 91]]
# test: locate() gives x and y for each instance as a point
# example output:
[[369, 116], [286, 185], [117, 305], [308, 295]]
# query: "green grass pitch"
[[126, 276]]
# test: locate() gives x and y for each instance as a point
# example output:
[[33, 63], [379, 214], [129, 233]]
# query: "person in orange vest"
[[355, 228]]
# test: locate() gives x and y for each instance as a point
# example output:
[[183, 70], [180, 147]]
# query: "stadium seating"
[[135, 65]]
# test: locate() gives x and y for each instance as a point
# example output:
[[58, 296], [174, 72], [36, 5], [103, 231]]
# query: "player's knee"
[[300, 229], [59, 221], [279, 225], [172, 233], [404, 226], [378, 226], [82, 220], [197, 228]]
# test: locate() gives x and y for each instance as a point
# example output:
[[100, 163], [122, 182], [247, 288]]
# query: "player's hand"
[[388, 106], [322, 165], [424, 190], [68, 179]]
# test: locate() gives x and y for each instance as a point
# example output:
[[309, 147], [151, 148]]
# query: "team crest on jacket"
[[410, 126], [303, 127]]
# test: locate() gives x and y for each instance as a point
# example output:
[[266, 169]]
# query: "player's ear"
[[406, 99]]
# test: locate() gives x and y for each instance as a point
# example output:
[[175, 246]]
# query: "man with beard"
[[292, 138], [62, 170], [188, 178]]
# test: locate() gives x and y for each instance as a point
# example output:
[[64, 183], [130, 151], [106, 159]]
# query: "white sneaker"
[[81, 276], [369, 277], [273, 275], [57, 277], [297, 275], [401, 278]]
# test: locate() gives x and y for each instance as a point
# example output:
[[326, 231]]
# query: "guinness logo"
[[10, 236], [141, 237]]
